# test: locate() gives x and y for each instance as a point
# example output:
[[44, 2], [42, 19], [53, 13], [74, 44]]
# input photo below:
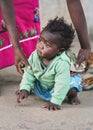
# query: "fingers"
[[27, 65], [20, 67], [20, 98], [52, 107], [17, 92], [80, 60], [21, 95], [20, 59], [83, 56]]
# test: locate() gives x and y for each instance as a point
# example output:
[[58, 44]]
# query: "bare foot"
[[74, 101]]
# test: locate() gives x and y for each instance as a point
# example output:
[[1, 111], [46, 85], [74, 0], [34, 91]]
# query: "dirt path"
[[30, 115]]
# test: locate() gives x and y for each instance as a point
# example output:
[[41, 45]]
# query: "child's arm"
[[62, 83], [28, 79], [61, 86], [27, 83]]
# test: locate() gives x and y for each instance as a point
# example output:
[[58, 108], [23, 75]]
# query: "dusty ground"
[[30, 115]]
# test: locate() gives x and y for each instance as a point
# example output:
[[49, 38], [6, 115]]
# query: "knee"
[[72, 92]]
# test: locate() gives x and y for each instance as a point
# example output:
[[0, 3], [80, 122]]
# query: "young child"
[[49, 76]]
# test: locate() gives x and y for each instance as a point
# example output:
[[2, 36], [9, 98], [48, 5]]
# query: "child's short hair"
[[65, 31]]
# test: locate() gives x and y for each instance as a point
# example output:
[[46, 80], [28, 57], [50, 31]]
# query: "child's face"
[[46, 47]]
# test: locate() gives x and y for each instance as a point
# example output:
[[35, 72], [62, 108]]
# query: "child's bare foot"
[[74, 101]]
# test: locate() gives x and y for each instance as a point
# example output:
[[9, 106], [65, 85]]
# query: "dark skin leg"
[[72, 97]]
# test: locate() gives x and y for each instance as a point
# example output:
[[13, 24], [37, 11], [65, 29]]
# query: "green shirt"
[[56, 74]]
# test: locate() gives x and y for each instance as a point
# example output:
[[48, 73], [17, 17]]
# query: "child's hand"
[[51, 106], [22, 95]]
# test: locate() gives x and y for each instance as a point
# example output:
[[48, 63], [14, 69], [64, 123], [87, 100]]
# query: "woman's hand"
[[83, 56], [20, 59]]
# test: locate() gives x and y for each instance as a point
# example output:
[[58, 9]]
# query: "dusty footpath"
[[30, 114]]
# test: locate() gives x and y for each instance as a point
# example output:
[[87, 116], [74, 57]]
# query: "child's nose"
[[41, 44]]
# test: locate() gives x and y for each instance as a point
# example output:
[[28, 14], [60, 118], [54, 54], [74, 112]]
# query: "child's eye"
[[47, 44]]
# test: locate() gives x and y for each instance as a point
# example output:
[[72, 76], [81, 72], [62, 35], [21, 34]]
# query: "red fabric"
[[28, 31]]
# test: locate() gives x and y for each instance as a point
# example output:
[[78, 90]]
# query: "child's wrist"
[[23, 90]]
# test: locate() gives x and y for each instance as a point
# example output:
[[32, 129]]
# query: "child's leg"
[[75, 87], [72, 96], [40, 92]]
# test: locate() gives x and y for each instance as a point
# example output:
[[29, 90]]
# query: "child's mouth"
[[39, 52]]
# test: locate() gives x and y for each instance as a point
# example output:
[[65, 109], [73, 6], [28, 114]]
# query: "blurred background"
[[52, 8]]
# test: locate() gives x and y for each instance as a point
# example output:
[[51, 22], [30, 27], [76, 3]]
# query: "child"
[[49, 76]]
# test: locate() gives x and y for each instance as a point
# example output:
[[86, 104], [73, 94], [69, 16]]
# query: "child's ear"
[[60, 50]]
